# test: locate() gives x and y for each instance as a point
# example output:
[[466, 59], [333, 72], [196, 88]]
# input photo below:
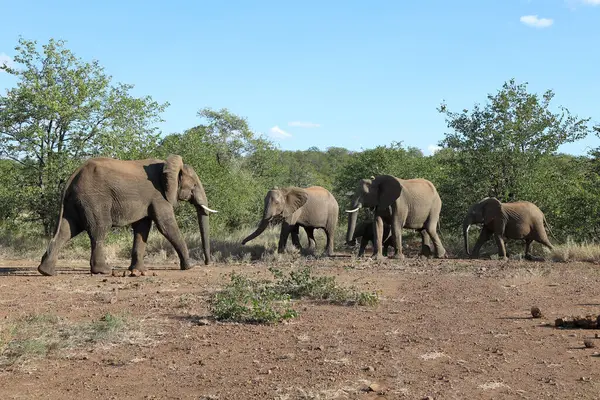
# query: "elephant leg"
[[397, 237], [283, 236], [528, 243], [484, 236], [310, 233], [426, 244], [295, 233], [431, 229], [167, 226], [364, 241], [98, 264], [501, 246], [330, 227], [141, 230], [543, 238], [68, 229]]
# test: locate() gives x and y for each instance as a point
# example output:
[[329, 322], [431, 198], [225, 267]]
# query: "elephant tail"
[[549, 229]]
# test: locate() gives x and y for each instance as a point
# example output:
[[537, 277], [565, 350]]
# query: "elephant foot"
[[101, 270], [397, 256], [186, 266], [46, 270], [139, 267]]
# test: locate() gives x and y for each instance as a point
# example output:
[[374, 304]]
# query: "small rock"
[[589, 343], [535, 312], [154, 274], [203, 322], [135, 272], [143, 273], [375, 387], [369, 369]]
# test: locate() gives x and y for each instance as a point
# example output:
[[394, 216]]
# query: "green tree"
[[63, 110], [495, 147], [235, 166]]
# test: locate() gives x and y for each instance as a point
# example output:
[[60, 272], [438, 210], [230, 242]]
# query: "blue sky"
[[328, 73]]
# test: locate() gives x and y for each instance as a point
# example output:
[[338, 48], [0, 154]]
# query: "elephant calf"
[[401, 203], [364, 230], [312, 207], [519, 220], [104, 193]]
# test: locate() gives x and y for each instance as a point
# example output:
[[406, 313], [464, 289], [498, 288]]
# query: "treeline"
[[64, 110]]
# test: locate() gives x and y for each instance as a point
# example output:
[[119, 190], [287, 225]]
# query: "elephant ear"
[[492, 209], [171, 174], [294, 199], [388, 190]]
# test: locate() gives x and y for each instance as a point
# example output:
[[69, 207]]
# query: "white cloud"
[[300, 124], [591, 2], [5, 60], [433, 148], [534, 21], [277, 132]]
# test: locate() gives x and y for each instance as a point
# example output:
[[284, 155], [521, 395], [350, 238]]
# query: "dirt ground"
[[445, 329]]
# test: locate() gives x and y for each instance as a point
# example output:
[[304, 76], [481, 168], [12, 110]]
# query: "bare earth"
[[448, 329]]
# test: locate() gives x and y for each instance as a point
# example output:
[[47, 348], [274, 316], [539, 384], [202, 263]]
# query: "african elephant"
[[364, 230], [403, 203], [517, 220], [312, 208], [104, 193]]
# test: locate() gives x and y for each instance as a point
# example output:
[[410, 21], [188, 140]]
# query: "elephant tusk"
[[353, 211], [208, 209]]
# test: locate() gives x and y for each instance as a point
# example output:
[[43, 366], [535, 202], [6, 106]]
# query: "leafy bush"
[[264, 301], [246, 300]]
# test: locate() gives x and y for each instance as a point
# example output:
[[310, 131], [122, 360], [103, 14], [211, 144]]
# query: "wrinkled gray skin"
[[312, 208], [402, 203], [104, 193], [364, 230], [519, 220]]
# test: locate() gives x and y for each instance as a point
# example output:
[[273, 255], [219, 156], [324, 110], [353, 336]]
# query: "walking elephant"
[[364, 231], [518, 220], [104, 193], [402, 203], [312, 208]]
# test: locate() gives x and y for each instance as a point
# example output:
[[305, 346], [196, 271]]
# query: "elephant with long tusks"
[[104, 193]]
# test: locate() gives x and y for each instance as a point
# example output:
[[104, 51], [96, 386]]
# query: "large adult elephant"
[[104, 193], [313, 207], [403, 203], [518, 220]]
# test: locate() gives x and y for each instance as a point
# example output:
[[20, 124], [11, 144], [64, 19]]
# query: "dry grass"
[[227, 247], [571, 251], [37, 336]]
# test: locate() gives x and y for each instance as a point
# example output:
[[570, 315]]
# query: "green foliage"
[[302, 284], [264, 301], [495, 148], [62, 111], [246, 300]]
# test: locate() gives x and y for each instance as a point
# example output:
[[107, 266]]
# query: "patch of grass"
[[37, 335], [265, 301], [303, 284], [246, 300], [571, 251]]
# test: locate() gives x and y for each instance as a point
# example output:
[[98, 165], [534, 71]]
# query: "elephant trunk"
[[204, 233], [466, 226], [261, 228]]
